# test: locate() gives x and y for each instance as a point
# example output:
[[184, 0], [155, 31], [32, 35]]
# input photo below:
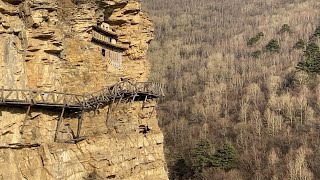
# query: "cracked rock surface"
[[46, 45]]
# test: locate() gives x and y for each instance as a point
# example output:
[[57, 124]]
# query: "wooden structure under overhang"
[[106, 40]]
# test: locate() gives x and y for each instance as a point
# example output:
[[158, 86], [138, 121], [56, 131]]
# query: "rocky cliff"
[[46, 45]]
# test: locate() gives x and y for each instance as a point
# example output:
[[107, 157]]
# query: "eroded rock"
[[46, 44]]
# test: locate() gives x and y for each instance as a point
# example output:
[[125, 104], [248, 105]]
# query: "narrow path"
[[50, 99], [122, 92]]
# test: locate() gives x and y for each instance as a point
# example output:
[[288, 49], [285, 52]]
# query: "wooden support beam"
[[24, 96], [80, 124], [144, 101], [58, 124], [42, 98], [114, 99], [53, 96], [8, 95], [124, 91], [96, 109], [109, 112], [31, 100], [110, 109], [121, 97], [2, 93], [154, 107], [25, 119], [84, 101], [17, 93], [71, 131], [64, 99], [134, 96]]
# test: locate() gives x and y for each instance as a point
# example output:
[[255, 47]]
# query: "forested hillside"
[[239, 104]]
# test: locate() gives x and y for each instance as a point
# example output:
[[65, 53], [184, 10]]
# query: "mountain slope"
[[224, 90]]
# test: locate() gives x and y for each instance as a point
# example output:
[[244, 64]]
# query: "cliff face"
[[46, 44]]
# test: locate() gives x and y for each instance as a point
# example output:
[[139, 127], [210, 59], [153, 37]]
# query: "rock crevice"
[[46, 45]]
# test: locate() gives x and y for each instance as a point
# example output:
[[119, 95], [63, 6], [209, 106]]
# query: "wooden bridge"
[[124, 91]]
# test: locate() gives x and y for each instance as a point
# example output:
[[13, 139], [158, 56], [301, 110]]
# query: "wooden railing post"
[[58, 124], [25, 119], [17, 91], [83, 101], [80, 124], [64, 99], [2, 93]]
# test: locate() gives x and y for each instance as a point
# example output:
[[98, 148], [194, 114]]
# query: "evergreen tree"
[[273, 46], [317, 32], [255, 39], [201, 156], [256, 54], [285, 29], [299, 44], [181, 169], [311, 59], [225, 157]]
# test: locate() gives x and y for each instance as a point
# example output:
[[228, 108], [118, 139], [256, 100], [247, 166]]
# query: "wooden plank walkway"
[[50, 99], [122, 92]]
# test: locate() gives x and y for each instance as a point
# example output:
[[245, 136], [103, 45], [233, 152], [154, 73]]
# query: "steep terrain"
[[46, 45], [237, 107]]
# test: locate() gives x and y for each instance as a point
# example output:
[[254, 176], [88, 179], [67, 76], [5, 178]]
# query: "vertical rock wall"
[[45, 44]]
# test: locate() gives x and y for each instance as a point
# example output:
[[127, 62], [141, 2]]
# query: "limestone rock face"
[[46, 45]]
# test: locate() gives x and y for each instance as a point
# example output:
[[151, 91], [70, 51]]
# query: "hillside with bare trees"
[[243, 92]]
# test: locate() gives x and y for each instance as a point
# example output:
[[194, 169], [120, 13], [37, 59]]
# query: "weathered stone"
[[46, 44]]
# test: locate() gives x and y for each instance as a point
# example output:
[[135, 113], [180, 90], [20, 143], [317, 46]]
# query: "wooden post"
[[31, 97], [134, 96], [58, 124], [25, 119], [144, 101], [17, 91], [2, 93], [109, 111], [53, 97], [84, 103], [80, 124], [154, 107], [97, 107], [122, 95], [161, 90], [64, 99], [110, 108]]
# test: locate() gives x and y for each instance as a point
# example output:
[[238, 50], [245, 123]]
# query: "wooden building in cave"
[[106, 39]]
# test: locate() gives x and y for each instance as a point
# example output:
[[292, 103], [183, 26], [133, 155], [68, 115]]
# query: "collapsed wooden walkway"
[[122, 92]]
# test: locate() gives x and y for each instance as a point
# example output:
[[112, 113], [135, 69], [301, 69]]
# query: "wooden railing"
[[120, 92], [123, 90]]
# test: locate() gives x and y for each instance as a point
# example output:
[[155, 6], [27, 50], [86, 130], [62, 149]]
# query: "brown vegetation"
[[224, 90]]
